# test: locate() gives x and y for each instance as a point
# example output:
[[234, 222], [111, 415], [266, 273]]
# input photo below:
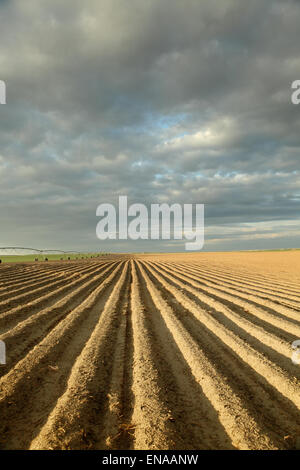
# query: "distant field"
[[56, 257], [161, 351]]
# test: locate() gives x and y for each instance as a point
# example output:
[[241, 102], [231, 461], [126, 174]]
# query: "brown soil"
[[160, 351]]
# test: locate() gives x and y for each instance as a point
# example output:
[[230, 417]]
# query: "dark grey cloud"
[[163, 101]]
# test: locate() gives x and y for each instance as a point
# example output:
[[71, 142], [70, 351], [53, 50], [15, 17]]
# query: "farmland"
[[42, 257], [157, 351]]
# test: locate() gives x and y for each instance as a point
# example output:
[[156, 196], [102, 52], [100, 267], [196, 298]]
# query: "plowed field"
[[187, 351]]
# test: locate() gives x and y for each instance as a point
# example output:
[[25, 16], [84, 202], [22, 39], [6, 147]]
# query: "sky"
[[162, 101]]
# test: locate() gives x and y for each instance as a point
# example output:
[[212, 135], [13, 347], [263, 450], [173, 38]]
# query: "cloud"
[[161, 101]]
